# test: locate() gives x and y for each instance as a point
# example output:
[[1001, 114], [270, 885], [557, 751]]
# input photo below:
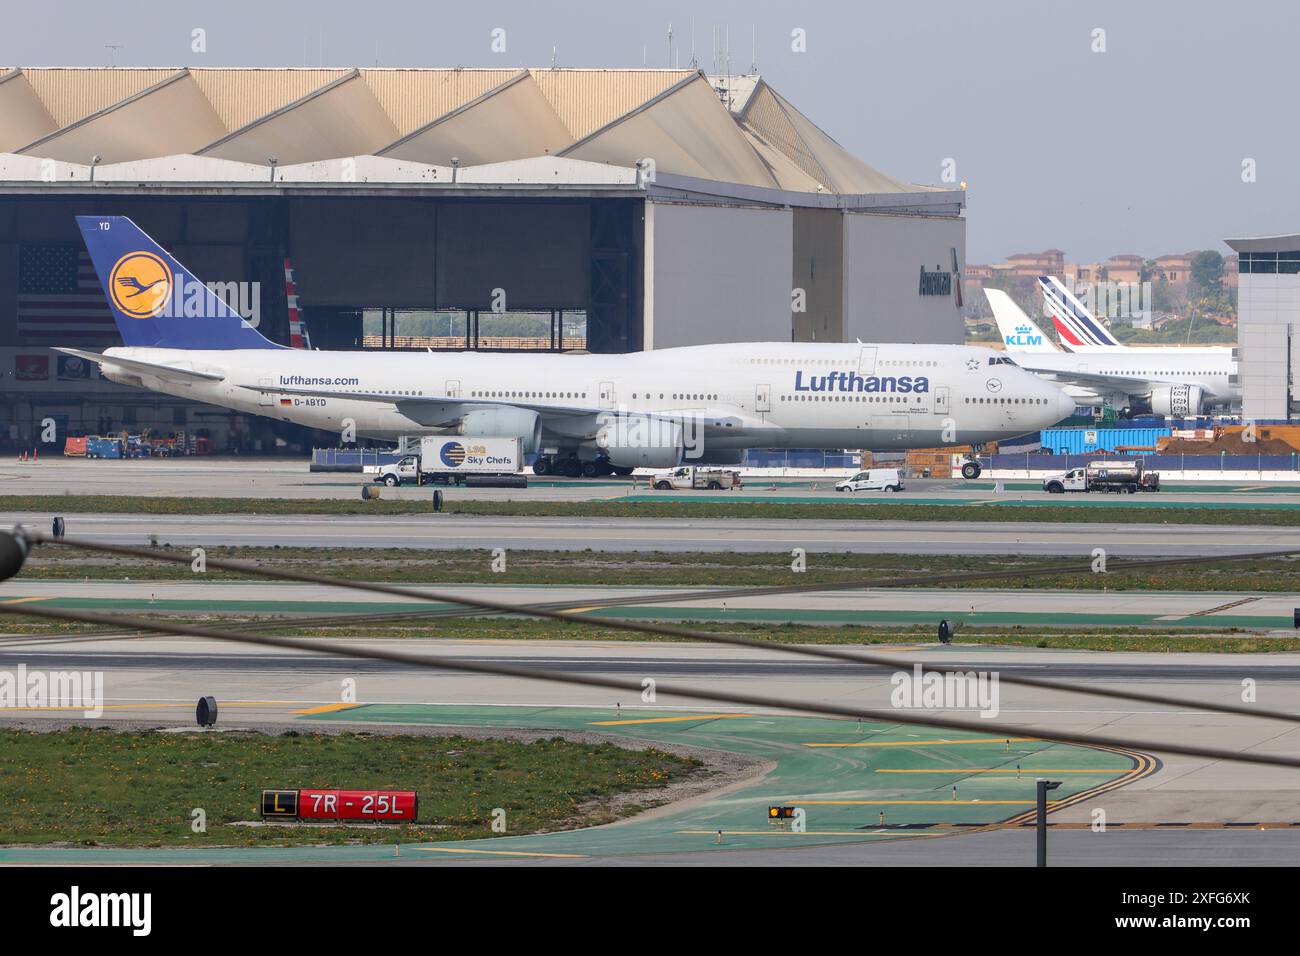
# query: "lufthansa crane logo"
[[140, 284], [453, 454], [994, 385]]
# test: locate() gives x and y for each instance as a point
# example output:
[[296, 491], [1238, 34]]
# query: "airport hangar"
[[609, 210]]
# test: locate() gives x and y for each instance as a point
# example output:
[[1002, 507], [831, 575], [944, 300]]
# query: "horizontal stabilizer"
[[168, 372]]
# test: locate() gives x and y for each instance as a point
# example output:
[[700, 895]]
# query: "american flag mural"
[[59, 296]]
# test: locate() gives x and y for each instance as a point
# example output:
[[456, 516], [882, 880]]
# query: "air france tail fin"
[[1077, 326], [154, 299], [1019, 333]]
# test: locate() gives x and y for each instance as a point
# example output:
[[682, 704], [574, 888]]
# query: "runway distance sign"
[[382, 806]]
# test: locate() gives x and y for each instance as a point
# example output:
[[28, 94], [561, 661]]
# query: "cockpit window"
[[1001, 360]]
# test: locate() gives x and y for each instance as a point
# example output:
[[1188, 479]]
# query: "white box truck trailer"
[[456, 460]]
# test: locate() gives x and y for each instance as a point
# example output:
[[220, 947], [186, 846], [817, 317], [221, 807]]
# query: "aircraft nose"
[[1065, 404]]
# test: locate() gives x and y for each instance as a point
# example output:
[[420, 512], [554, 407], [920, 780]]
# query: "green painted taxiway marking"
[[838, 786], [827, 779]]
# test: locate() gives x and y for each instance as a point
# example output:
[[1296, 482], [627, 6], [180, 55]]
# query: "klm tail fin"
[[1078, 326], [1019, 333], [154, 299]]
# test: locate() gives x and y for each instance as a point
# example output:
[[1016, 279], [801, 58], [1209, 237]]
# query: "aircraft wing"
[[437, 410], [430, 402], [1111, 383], [171, 373]]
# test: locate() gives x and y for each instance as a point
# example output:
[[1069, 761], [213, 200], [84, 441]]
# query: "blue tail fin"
[[154, 299]]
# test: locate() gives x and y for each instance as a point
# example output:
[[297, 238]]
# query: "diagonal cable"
[[660, 630], [434, 662]]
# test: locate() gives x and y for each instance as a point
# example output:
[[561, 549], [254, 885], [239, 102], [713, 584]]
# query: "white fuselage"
[[1213, 371], [747, 395]]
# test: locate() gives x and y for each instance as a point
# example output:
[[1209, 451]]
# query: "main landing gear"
[[571, 466]]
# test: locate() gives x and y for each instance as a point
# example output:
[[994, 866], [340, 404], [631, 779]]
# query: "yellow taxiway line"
[[910, 803], [1028, 771], [928, 743], [667, 720], [556, 856], [775, 831], [325, 709]]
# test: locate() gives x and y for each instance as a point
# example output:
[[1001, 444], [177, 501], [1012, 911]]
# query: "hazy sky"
[[1136, 149]]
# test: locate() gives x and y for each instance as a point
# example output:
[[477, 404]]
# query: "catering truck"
[[1122, 477], [456, 460]]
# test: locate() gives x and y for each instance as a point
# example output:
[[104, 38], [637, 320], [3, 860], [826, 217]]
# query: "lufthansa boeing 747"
[[580, 414]]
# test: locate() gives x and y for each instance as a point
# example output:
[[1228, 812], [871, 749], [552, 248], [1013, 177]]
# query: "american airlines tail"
[[298, 337], [1079, 329], [148, 291], [1019, 333]]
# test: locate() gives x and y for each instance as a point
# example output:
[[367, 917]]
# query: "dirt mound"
[[1230, 444]]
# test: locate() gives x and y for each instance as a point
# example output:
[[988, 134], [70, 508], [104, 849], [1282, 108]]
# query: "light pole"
[[1043, 787]]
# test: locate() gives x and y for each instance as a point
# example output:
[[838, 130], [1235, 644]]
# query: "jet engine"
[[1178, 401], [638, 442], [504, 421]]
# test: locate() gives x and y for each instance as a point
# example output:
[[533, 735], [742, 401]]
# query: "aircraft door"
[[762, 398], [453, 388], [606, 393], [941, 400], [264, 397], [867, 360]]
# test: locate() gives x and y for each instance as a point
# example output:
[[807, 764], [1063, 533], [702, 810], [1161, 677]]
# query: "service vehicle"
[[1122, 477], [453, 460], [873, 479], [695, 476]]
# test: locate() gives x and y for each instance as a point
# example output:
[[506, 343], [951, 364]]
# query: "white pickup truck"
[[695, 476]]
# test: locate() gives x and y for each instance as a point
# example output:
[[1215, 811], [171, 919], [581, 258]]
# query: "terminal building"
[[597, 210], [1268, 325]]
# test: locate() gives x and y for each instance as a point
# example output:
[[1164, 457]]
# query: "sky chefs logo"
[[140, 284], [1024, 336], [452, 454], [853, 382]]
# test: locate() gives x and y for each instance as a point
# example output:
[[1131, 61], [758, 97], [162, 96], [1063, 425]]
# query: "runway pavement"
[[233, 477], [450, 531], [160, 678], [986, 607]]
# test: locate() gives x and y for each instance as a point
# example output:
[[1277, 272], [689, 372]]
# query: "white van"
[[874, 479]]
